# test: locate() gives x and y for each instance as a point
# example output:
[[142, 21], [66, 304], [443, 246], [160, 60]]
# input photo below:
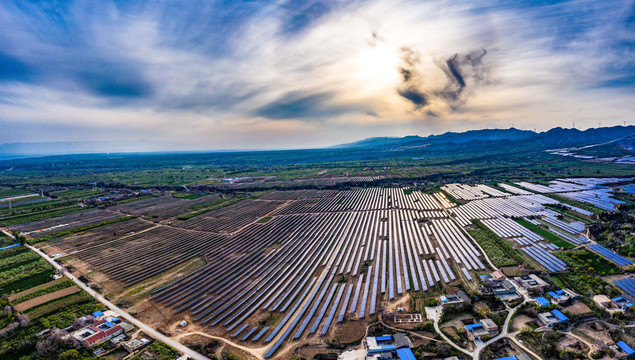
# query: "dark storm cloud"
[[462, 71], [415, 96], [412, 85], [50, 47]]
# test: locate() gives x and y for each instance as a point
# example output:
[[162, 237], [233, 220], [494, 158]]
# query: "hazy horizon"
[[297, 75]]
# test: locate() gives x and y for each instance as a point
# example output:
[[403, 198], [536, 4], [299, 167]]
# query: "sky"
[[194, 75]]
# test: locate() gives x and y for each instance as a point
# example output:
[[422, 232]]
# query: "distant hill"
[[449, 137], [493, 140], [26, 149]]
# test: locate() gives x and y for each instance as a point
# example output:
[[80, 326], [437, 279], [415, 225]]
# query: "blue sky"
[[289, 74]]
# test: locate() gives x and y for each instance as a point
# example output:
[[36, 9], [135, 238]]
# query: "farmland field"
[[34, 305], [43, 299], [39, 290]]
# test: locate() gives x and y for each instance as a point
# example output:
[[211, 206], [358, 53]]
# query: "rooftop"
[[627, 349], [542, 301]]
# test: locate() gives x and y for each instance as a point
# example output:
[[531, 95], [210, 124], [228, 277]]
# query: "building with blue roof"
[[627, 349], [484, 328], [552, 318], [10, 246], [405, 354], [562, 296], [387, 346], [621, 302], [98, 314], [623, 350], [519, 356], [541, 301], [560, 315]]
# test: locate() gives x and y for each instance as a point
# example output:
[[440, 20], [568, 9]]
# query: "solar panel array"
[[490, 208], [627, 284], [612, 256], [542, 256], [587, 190], [293, 264], [468, 192]]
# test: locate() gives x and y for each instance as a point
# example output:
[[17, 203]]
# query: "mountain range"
[[469, 142], [493, 140]]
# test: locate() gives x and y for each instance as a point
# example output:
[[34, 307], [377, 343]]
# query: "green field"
[[6, 192], [19, 271], [589, 260], [546, 234], [24, 271]]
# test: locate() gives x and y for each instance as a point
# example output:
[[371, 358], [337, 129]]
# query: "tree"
[[23, 320], [71, 354]]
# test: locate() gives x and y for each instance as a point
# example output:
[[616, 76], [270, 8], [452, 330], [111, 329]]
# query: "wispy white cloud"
[[253, 75]]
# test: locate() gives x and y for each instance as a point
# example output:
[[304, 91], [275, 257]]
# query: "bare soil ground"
[[309, 352], [572, 344], [452, 334], [456, 322], [46, 298], [602, 335], [578, 308], [520, 321], [514, 271], [404, 302], [351, 331]]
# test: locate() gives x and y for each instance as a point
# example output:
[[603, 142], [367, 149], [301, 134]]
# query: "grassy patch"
[[264, 219], [16, 259], [160, 350], [498, 250], [584, 278], [187, 195], [21, 271], [546, 234], [588, 260], [28, 282]]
